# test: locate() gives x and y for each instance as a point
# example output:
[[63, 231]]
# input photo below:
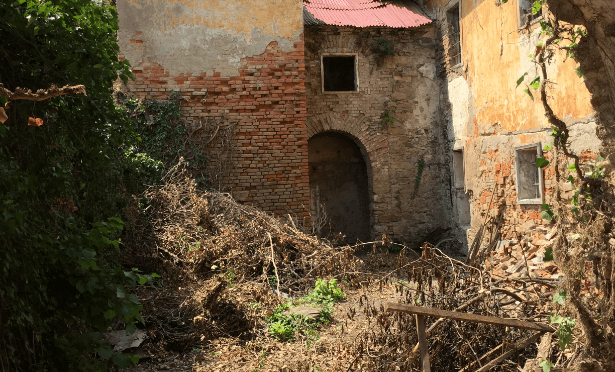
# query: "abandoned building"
[[399, 118]]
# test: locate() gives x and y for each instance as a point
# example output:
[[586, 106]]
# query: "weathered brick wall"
[[267, 103], [242, 65], [406, 83]]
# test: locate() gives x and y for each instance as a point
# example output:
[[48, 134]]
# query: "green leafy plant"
[[387, 115], [564, 331], [596, 171], [547, 213], [548, 254], [65, 188], [162, 136], [541, 163], [324, 292], [385, 47], [546, 365], [394, 248], [566, 324], [286, 326], [230, 276]]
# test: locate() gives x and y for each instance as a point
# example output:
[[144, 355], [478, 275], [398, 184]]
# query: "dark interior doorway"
[[339, 186]]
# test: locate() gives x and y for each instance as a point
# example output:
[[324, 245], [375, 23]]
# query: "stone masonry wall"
[[243, 65], [404, 85]]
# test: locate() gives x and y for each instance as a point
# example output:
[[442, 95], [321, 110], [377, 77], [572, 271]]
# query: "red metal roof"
[[364, 13]]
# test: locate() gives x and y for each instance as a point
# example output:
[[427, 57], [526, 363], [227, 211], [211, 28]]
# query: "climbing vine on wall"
[[582, 222], [417, 180]]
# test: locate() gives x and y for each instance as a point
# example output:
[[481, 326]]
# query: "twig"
[[292, 222], [518, 346], [468, 343], [3, 116], [275, 268], [509, 293], [322, 263]]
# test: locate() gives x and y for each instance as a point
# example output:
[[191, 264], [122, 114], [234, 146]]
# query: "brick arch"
[[371, 142], [356, 127]]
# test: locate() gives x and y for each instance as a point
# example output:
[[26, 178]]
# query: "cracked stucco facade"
[[206, 36], [488, 116]]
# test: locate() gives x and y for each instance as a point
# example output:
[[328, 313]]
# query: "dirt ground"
[[266, 354]]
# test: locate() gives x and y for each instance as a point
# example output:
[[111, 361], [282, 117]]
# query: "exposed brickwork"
[[267, 103], [497, 170], [404, 84]]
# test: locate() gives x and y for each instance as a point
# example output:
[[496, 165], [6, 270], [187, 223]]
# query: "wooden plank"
[[420, 330], [441, 320], [467, 317], [516, 347]]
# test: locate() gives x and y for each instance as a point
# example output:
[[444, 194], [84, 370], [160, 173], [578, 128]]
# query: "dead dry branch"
[[197, 238], [41, 94], [224, 265]]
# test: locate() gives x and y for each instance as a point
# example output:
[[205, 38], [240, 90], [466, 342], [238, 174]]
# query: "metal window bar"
[[454, 37], [455, 51]]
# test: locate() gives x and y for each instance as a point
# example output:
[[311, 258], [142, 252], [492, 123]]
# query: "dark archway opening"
[[339, 186]]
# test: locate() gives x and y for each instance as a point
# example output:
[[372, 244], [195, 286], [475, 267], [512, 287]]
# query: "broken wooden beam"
[[420, 330], [441, 320], [467, 317]]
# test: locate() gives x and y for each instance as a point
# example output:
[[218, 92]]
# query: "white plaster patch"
[[428, 70], [459, 96], [583, 137]]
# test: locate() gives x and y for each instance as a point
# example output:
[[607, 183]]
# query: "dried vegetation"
[[222, 264]]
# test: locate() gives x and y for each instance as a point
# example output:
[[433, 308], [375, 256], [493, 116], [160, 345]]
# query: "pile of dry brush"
[[216, 257], [219, 259]]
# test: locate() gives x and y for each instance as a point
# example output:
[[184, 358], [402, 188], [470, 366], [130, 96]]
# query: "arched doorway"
[[339, 186]]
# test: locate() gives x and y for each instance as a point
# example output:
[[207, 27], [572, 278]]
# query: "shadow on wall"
[[339, 186]]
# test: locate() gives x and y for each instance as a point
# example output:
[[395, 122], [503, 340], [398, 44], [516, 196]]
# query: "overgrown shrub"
[[64, 188], [161, 135]]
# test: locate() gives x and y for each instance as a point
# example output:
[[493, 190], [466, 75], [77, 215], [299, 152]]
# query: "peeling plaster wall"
[[406, 85], [238, 64], [489, 116], [203, 36]]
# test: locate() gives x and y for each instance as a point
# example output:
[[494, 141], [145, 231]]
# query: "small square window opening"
[[529, 176], [525, 12], [340, 73]]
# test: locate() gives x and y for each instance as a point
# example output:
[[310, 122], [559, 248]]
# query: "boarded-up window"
[[459, 172], [461, 199], [529, 176], [339, 73]]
